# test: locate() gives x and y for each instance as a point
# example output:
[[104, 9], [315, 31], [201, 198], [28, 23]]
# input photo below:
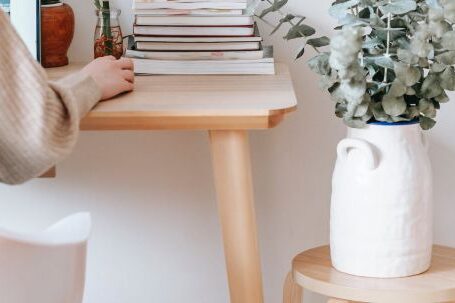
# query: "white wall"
[[156, 232]]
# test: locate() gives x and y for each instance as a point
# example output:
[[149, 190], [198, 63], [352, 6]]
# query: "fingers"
[[126, 63], [128, 75], [127, 86], [106, 58]]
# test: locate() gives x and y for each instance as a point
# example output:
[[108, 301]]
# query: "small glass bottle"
[[108, 34]]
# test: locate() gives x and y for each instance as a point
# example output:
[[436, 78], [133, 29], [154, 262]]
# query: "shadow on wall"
[[293, 165], [154, 214], [443, 169]]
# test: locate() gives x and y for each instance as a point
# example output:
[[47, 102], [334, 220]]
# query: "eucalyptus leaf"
[[300, 31], [410, 91], [285, 19], [372, 43], [448, 40], [399, 7], [437, 67], [433, 3], [354, 122], [361, 110], [319, 42], [427, 108], [320, 64], [399, 119], [300, 53], [97, 4], [447, 58], [394, 106], [431, 87], [407, 74], [442, 98], [397, 89], [372, 70], [407, 56], [338, 10], [384, 61], [423, 62], [327, 82], [379, 113], [340, 110], [448, 79], [427, 123], [276, 5], [412, 112]]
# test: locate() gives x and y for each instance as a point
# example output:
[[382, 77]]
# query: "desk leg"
[[232, 168]]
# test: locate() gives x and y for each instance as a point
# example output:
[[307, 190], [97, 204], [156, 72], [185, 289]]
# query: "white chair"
[[46, 267]]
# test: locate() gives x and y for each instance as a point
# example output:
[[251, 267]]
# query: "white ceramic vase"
[[382, 203]]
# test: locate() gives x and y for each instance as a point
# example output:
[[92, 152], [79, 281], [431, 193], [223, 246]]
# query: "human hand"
[[112, 76]]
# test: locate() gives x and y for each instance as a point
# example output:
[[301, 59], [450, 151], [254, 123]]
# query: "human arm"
[[39, 120]]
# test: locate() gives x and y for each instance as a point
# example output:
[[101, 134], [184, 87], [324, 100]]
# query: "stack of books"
[[197, 37]]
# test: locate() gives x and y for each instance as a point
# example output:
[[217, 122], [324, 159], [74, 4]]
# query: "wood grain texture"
[[194, 102], [313, 271], [234, 186], [292, 292]]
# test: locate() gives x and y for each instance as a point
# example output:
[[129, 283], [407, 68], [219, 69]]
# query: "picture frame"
[[26, 17], [4, 4]]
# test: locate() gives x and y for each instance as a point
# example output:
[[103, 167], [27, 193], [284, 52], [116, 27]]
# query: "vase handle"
[[367, 149]]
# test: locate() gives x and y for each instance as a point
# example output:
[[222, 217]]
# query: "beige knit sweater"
[[39, 120]]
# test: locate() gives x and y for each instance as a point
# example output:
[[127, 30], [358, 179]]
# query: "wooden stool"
[[312, 270]]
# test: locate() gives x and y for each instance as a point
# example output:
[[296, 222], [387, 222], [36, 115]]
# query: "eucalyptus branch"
[[288, 18], [417, 58], [282, 14], [387, 54]]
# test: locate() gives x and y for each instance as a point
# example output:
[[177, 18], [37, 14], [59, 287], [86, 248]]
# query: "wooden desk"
[[227, 107]]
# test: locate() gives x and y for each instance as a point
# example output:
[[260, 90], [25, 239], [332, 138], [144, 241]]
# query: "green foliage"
[[101, 4], [390, 61], [105, 10]]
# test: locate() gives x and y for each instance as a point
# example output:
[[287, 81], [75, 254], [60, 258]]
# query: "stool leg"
[[292, 292]]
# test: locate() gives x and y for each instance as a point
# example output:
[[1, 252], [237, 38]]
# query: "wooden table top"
[[313, 270], [194, 102]]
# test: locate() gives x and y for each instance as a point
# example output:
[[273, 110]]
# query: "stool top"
[[313, 271]]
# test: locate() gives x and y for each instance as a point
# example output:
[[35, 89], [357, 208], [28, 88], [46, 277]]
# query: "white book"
[[197, 39], [201, 46], [263, 65], [232, 67], [197, 56], [190, 5], [195, 20], [188, 12], [193, 31]]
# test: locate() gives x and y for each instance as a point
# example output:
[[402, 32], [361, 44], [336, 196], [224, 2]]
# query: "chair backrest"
[[46, 267]]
